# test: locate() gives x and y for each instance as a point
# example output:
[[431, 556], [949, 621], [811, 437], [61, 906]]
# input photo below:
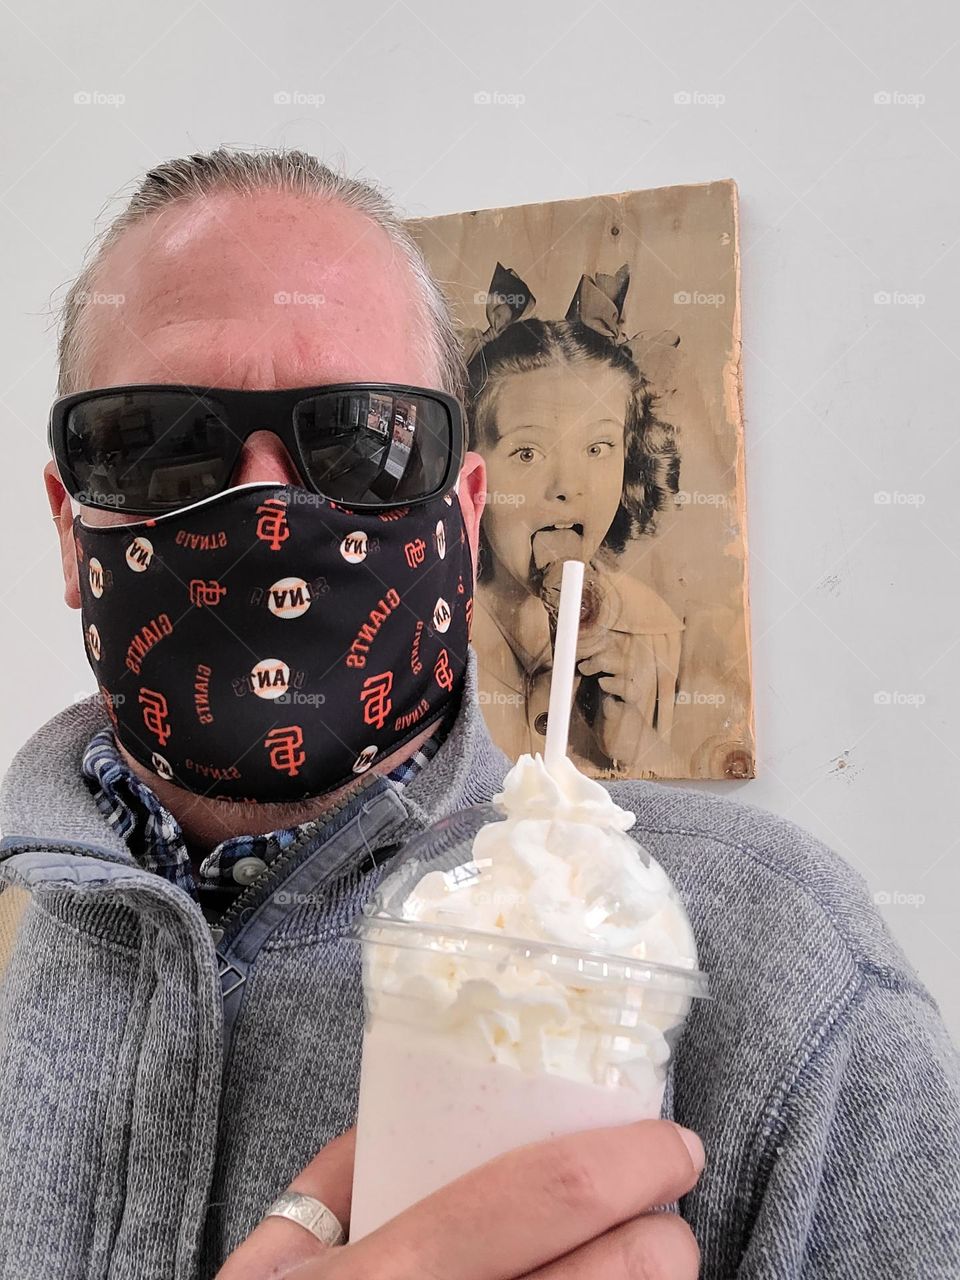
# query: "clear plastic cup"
[[476, 1042]]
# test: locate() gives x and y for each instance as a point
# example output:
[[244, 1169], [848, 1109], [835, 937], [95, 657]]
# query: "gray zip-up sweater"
[[158, 1088]]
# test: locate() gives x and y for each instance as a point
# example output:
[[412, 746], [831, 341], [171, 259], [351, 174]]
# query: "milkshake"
[[526, 972]]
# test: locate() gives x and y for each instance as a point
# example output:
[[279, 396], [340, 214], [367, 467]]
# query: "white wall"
[[843, 198]]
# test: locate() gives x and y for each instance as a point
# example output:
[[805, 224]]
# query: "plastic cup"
[[476, 1042]]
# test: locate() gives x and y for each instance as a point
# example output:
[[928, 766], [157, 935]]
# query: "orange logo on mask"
[[155, 713], [443, 672], [415, 552], [285, 748], [206, 593], [272, 526], [375, 696]]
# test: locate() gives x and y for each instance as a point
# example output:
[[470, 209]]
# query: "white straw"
[[564, 662]]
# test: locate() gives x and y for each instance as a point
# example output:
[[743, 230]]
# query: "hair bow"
[[508, 299], [598, 303]]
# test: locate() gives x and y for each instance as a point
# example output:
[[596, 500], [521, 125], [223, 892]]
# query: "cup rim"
[[594, 967]]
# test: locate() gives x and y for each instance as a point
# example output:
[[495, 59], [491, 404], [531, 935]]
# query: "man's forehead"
[[267, 290]]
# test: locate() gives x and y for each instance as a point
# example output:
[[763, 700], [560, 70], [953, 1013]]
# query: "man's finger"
[[329, 1176], [544, 1200], [276, 1245], [658, 1246]]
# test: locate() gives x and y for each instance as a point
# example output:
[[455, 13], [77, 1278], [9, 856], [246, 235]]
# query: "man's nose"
[[264, 459]]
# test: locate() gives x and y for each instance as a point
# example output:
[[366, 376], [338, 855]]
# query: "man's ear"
[[472, 492], [63, 518]]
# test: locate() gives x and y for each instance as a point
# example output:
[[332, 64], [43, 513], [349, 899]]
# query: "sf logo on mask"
[[285, 747], [155, 714], [272, 527]]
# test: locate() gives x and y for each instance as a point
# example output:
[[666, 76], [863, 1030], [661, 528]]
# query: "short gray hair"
[[247, 172]]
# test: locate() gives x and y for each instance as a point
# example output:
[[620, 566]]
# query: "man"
[[181, 1009]]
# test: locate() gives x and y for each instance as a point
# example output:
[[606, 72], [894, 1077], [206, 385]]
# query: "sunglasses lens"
[[375, 446], [147, 452]]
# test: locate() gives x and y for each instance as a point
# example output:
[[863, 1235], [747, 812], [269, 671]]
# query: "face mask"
[[269, 645]]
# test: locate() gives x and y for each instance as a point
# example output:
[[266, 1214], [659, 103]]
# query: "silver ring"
[[322, 1223]]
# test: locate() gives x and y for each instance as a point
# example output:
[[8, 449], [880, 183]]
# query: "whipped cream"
[[558, 870]]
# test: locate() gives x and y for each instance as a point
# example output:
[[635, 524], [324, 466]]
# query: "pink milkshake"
[[526, 972]]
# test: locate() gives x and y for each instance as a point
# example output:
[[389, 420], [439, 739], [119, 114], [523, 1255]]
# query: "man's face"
[[203, 288]]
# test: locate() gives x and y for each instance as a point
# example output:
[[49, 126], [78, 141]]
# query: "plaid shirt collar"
[[154, 836]]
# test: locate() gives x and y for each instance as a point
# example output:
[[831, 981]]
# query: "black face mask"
[[269, 645]]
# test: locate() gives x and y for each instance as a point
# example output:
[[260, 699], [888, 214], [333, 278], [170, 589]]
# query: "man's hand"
[[572, 1208], [277, 1244]]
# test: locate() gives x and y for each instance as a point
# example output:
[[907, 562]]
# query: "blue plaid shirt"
[[154, 836]]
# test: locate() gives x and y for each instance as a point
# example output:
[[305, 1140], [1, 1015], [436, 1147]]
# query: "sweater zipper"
[[219, 929]]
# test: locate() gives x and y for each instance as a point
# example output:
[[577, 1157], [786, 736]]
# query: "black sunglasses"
[[153, 448]]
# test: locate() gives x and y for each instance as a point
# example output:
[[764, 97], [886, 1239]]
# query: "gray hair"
[[247, 172]]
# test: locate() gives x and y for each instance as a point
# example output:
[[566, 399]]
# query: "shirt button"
[[246, 870], [540, 724]]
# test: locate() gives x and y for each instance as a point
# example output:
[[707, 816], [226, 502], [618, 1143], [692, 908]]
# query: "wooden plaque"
[[603, 338]]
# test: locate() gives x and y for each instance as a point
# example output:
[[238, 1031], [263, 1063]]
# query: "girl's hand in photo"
[[629, 672]]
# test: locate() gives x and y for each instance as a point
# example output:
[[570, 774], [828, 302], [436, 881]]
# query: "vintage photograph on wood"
[[603, 345]]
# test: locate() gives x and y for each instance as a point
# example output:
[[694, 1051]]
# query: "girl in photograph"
[[578, 464]]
